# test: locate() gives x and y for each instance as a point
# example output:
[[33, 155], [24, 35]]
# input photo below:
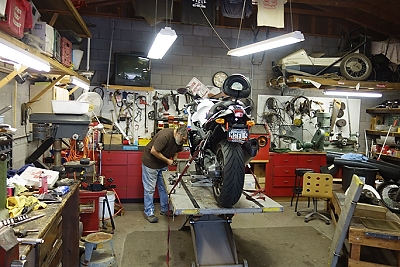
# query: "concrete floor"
[[134, 220]]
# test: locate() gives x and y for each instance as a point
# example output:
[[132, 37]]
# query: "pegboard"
[[351, 114]]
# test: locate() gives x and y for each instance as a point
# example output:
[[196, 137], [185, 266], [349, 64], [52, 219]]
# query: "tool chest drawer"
[[284, 170], [135, 158], [114, 158], [313, 161], [115, 171], [284, 160]]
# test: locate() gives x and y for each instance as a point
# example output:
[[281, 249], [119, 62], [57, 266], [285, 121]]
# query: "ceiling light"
[[286, 39], [84, 85], [20, 56], [356, 94], [164, 39]]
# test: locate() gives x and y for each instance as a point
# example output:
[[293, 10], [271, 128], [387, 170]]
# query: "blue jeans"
[[151, 178]]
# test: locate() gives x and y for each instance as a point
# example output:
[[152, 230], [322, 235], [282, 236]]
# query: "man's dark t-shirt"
[[163, 142]]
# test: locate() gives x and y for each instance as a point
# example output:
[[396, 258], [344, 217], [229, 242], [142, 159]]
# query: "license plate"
[[238, 135]]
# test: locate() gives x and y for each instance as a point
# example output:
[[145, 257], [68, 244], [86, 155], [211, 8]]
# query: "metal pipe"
[[88, 55]]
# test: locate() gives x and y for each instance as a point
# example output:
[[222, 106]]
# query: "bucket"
[[367, 175], [76, 58], [111, 200]]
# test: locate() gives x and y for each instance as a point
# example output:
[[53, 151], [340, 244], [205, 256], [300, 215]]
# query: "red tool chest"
[[89, 210]]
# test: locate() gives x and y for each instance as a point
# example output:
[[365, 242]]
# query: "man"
[[158, 154]]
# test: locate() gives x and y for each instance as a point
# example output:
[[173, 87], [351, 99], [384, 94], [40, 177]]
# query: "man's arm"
[[160, 156]]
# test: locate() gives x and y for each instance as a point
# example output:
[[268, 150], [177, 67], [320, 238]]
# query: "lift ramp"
[[212, 236]]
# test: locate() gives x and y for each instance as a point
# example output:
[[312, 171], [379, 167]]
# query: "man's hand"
[[172, 162]]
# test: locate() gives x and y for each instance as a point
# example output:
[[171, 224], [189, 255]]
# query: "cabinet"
[[59, 228], [280, 170]]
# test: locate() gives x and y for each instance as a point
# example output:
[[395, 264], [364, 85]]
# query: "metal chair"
[[297, 188], [317, 185]]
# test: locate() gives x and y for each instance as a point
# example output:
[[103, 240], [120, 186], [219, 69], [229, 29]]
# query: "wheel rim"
[[388, 194], [356, 67], [217, 185]]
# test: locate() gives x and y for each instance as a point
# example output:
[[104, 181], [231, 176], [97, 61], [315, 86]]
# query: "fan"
[[95, 102]]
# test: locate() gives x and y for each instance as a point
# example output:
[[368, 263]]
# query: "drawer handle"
[[286, 171], [285, 182], [286, 160], [309, 160]]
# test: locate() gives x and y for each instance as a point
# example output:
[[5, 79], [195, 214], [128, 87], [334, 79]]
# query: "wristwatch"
[[219, 78]]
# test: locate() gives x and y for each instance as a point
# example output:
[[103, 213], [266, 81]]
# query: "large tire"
[[228, 189], [356, 66], [388, 191]]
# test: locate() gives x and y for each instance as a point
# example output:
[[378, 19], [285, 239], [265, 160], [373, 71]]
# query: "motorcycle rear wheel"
[[228, 189], [388, 192], [356, 67]]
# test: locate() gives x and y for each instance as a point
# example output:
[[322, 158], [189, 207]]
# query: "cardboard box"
[[113, 139], [46, 34], [259, 169], [43, 104]]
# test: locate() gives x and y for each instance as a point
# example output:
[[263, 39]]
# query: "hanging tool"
[[146, 128], [384, 142], [175, 98]]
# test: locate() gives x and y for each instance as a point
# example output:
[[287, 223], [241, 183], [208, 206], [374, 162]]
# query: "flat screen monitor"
[[131, 69]]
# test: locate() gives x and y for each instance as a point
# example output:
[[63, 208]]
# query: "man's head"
[[181, 134]]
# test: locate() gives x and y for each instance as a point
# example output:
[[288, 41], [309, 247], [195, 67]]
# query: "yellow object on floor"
[[16, 204]]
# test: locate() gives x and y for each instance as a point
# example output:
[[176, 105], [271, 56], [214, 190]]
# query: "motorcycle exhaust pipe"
[[250, 148]]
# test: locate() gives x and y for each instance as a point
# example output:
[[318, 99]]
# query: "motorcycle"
[[219, 138]]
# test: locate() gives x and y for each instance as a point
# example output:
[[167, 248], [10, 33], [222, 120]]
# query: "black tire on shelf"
[[356, 66], [228, 189]]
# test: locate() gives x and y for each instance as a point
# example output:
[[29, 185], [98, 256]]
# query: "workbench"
[[384, 242], [212, 235], [59, 228]]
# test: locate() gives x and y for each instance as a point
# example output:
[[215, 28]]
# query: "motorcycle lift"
[[212, 236]]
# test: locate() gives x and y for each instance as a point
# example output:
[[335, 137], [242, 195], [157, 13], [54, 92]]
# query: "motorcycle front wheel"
[[390, 195], [228, 189], [356, 66]]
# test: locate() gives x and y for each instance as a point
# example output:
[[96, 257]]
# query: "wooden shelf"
[[128, 88], [62, 15], [333, 83], [382, 133], [382, 110], [55, 66]]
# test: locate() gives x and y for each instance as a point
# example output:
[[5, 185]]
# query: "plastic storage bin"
[[367, 175], [15, 18]]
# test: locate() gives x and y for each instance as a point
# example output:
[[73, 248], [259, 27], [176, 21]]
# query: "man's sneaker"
[[167, 213], [152, 219]]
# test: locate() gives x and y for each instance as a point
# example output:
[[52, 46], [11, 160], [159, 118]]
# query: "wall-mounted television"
[[131, 69]]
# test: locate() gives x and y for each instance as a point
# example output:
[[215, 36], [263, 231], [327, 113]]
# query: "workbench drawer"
[[114, 158], [114, 171], [283, 181], [51, 239], [285, 160], [284, 171], [135, 158], [310, 161]]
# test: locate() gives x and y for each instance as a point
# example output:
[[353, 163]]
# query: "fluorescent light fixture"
[[356, 94], [22, 57], [164, 39], [80, 83], [286, 39]]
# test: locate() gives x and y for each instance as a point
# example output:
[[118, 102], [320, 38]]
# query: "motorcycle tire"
[[356, 67], [388, 191], [228, 189]]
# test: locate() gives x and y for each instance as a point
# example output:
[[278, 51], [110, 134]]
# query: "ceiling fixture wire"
[[201, 9]]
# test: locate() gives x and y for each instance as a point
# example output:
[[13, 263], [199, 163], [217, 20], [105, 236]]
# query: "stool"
[[297, 189], [94, 257]]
